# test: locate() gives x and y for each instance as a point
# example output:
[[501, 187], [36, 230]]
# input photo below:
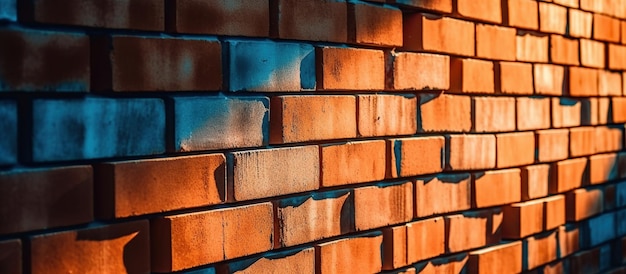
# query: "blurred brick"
[[424, 32], [548, 79], [522, 219], [582, 141], [535, 180], [609, 138], [350, 69], [415, 156], [223, 17], [395, 247], [506, 183], [444, 6], [591, 53], [9, 129], [448, 113], [569, 240], [531, 47], [451, 264], [352, 162], [563, 50], [566, 112], [420, 71], [339, 256], [443, 193], [533, 113], [584, 203], [583, 82], [485, 107], [552, 145], [616, 57], [552, 18], [610, 84], [11, 256], [380, 115], [568, 174], [8, 11], [606, 28], [603, 168], [310, 20], [521, 13], [467, 152], [579, 24], [471, 76], [514, 78], [599, 229], [494, 42]]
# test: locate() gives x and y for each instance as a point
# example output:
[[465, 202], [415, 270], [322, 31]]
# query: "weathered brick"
[[598, 229], [606, 28], [471, 76], [563, 50], [531, 47], [514, 78], [533, 113], [310, 20], [11, 254], [540, 249], [610, 198], [552, 18], [472, 229], [610, 84], [419, 71], [382, 115], [43, 61], [566, 112], [552, 145], [490, 259], [307, 118], [568, 174], [548, 79], [579, 24], [515, 149], [443, 193], [117, 248], [609, 138], [593, 5], [488, 10], [234, 18], [592, 111], [484, 110], [467, 152], [188, 240], [424, 32], [506, 183], [425, 239], [374, 25], [444, 6], [603, 168], [352, 162], [414, 156], [452, 264], [584, 203], [591, 53], [290, 261], [272, 172], [618, 109], [569, 240], [554, 211], [582, 141], [9, 128], [394, 247], [616, 58], [350, 68], [444, 112], [339, 256], [495, 42], [583, 82], [535, 180], [382, 204], [521, 13], [522, 219]]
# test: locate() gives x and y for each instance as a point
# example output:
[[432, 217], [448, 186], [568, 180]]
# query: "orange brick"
[[471, 76], [569, 242], [237, 18], [291, 261], [438, 34], [443, 193], [552, 18], [507, 183], [548, 79], [617, 57], [568, 174], [618, 107], [425, 239], [453, 264], [444, 6], [374, 25], [11, 256], [582, 141], [166, 184], [193, 239], [535, 180], [467, 152], [382, 204], [566, 112], [583, 82], [307, 118], [117, 248], [308, 20], [584, 203], [606, 28], [563, 50], [514, 78], [352, 162], [339, 256], [472, 229], [491, 259], [623, 28], [395, 247], [554, 211], [444, 112], [350, 69], [494, 42], [603, 168], [610, 84], [521, 13], [313, 217], [420, 71], [485, 117], [591, 109], [522, 219], [552, 145], [515, 149], [567, 3], [486, 10], [591, 53], [381, 115], [540, 250], [531, 47], [533, 113], [414, 156], [609, 138], [580, 23]]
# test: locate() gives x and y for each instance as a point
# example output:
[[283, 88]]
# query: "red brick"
[[515, 149], [514, 78], [568, 174], [606, 28], [453, 264], [531, 47], [552, 145], [420, 71], [618, 107], [117, 248], [471, 76], [298, 261], [521, 13], [566, 112], [374, 25], [623, 31], [313, 217], [579, 24], [568, 238], [383, 204], [540, 250], [188, 240], [592, 53], [533, 113], [11, 256], [43, 61], [494, 42], [395, 247], [492, 259], [609, 138], [425, 239], [444, 6], [467, 152], [616, 57], [582, 141], [350, 68], [352, 162], [308, 118], [125, 63], [506, 183], [486, 10], [563, 50], [33, 199], [552, 18], [567, 3], [535, 180], [584, 203], [339, 256], [603, 168], [548, 79], [472, 229], [554, 211], [382, 115], [593, 109], [234, 18], [272, 172], [443, 193], [583, 82], [610, 84], [438, 34], [414, 156], [310, 20], [592, 5], [522, 219], [444, 112], [486, 107]]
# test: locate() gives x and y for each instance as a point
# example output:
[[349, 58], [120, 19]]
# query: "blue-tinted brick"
[[8, 10], [620, 193], [74, 129], [270, 66], [205, 123], [598, 230], [8, 138]]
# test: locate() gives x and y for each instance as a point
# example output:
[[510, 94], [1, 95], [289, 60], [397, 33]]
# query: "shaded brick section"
[[11, 256], [221, 17], [443, 193], [471, 76], [290, 261], [310, 20], [568, 174], [375, 25], [472, 229], [490, 260], [8, 11], [505, 182], [424, 32], [487, 10], [535, 180], [444, 6], [8, 127], [415, 156], [383, 204]]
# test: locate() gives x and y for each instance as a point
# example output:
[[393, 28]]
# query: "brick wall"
[[317, 136]]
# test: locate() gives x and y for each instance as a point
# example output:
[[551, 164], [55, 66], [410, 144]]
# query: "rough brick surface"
[[352, 162], [375, 119], [346, 69], [489, 10], [568, 175], [552, 18], [375, 25], [531, 47], [383, 204], [535, 180], [521, 13], [489, 260], [307, 20], [471, 76], [339, 255], [466, 152], [591, 53], [425, 239], [438, 34], [548, 79], [292, 261], [434, 73], [472, 229], [582, 141], [552, 145], [493, 114], [237, 18], [533, 113], [442, 194], [580, 23], [515, 149], [415, 156], [505, 182], [563, 50], [493, 42], [514, 78], [443, 112]]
